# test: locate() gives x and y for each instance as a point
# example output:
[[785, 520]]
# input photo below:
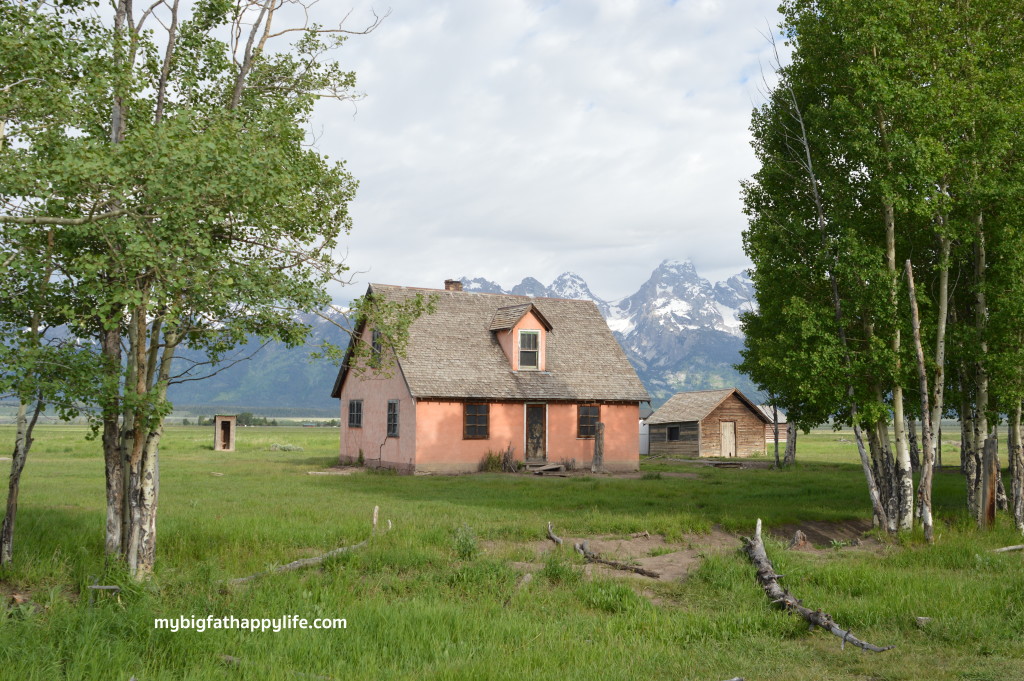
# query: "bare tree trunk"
[[790, 445], [122, 17], [885, 473], [775, 433], [938, 384], [980, 371], [924, 489], [110, 346], [22, 445], [989, 475], [915, 452], [904, 470], [967, 455], [143, 477], [1016, 456]]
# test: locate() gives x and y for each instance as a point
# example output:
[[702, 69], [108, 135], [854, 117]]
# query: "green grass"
[[434, 598]]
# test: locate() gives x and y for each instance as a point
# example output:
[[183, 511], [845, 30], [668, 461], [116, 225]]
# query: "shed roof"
[[767, 410], [453, 353], [695, 406]]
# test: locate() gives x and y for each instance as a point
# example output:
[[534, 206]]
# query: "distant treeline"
[[247, 418]]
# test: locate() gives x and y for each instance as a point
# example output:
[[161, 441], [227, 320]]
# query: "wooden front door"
[[536, 432], [728, 438]]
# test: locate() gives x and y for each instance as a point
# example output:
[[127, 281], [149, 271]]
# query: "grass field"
[[438, 597]]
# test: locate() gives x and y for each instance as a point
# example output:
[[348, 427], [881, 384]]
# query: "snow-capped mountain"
[[680, 331]]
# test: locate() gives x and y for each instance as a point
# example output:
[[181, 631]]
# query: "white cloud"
[[509, 138]]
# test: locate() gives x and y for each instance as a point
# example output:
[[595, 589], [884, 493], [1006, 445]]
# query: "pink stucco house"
[[487, 371]]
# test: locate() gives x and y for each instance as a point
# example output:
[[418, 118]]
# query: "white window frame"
[[536, 334]]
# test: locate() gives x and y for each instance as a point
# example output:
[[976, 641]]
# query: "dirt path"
[[675, 561]]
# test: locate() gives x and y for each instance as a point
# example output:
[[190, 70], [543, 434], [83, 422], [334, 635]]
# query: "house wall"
[[686, 445], [509, 340], [621, 436], [442, 449], [375, 391], [749, 429]]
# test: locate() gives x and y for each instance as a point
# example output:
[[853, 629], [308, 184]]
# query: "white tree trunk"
[[1016, 455], [22, 443], [790, 457]]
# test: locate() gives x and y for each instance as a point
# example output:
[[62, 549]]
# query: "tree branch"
[[782, 598], [46, 220], [316, 560]]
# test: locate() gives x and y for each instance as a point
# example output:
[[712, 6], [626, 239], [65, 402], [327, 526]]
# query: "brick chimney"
[[452, 285]]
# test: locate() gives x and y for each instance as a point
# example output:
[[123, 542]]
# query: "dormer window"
[[519, 330], [529, 349]]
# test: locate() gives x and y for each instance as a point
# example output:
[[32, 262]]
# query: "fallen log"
[[315, 560], [552, 536], [584, 550], [769, 580], [1017, 547]]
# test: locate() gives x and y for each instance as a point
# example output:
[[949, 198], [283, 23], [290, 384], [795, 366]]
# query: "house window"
[[355, 413], [587, 416], [376, 344], [529, 349], [392, 418], [476, 422], [673, 433]]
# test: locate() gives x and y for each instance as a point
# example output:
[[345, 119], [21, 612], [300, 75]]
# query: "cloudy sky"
[[513, 138]]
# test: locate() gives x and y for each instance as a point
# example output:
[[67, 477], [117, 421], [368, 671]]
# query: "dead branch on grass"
[[315, 560], [770, 582], [552, 536], [1005, 549], [592, 557]]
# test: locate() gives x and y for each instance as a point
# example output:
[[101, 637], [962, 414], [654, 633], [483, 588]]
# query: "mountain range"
[[680, 331]]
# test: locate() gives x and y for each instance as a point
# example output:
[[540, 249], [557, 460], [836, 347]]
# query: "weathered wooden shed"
[[769, 428], [708, 423]]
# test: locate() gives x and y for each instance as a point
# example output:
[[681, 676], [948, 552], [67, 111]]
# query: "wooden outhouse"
[[708, 423], [224, 432]]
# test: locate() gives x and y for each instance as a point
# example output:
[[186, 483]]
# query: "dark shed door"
[[536, 432]]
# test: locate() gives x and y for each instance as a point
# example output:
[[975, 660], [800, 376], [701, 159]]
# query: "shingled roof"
[[453, 353], [507, 317], [694, 406]]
